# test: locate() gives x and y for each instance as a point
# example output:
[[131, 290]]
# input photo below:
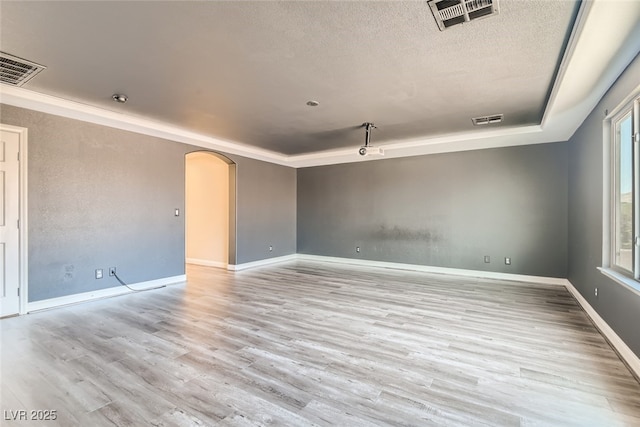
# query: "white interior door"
[[9, 231]]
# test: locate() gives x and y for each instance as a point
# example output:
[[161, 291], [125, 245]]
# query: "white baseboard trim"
[[102, 293], [262, 262], [618, 344], [623, 350], [439, 270], [206, 262]]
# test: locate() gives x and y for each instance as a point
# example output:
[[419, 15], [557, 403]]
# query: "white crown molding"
[[502, 137], [486, 138], [604, 41], [20, 97]]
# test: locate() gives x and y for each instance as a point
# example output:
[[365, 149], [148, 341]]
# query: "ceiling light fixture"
[[313, 103], [119, 97]]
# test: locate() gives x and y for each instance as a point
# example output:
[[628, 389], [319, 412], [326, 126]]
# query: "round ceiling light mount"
[[120, 98], [313, 103]]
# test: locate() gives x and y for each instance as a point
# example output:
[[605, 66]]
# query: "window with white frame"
[[624, 224]]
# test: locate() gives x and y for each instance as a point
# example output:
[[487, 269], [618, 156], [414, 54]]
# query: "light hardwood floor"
[[307, 343]]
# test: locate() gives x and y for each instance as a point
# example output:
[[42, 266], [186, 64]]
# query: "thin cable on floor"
[[135, 290]]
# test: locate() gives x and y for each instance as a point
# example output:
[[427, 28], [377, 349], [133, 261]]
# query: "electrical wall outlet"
[[112, 271], [487, 259], [270, 248], [507, 261], [596, 291], [358, 249], [99, 273]]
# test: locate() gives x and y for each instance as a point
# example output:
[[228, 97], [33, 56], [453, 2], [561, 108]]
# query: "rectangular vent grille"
[[487, 120], [17, 71], [452, 12]]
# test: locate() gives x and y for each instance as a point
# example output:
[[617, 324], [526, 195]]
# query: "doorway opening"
[[210, 209]]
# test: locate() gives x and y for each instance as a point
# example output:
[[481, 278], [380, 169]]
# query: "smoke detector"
[[452, 12], [16, 71]]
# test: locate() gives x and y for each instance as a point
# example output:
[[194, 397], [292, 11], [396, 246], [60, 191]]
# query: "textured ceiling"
[[243, 71]]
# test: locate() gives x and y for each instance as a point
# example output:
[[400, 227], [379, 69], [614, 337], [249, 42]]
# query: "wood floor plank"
[[309, 343]]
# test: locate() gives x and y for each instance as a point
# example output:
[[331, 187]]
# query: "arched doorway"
[[210, 209]]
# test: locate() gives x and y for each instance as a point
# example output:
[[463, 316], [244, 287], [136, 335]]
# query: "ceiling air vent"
[[487, 120], [453, 12], [17, 71]]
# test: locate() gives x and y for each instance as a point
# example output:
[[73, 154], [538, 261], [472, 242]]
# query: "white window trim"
[[607, 194]]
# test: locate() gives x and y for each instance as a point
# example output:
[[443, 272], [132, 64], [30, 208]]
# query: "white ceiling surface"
[[235, 76]]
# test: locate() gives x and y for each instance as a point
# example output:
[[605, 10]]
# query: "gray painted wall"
[[266, 210], [446, 210], [102, 197], [617, 305]]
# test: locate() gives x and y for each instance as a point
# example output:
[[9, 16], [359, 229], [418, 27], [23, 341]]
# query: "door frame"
[[23, 241]]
